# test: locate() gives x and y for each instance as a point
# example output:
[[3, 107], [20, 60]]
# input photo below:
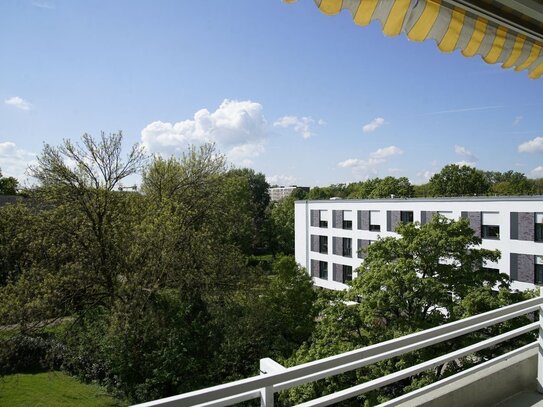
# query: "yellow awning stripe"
[[364, 12], [537, 72], [534, 54], [476, 38], [450, 27], [330, 7], [516, 51], [497, 46], [448, 43], [424, 24], [394, 23]]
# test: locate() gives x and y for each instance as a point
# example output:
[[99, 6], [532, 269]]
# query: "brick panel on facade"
[[315, 268], [315, 243], [474, 219], [393, 220], [315, 217], [337, 219], [525, 268], [337, 245], [526, 226], [362, 244], [338, 273], [364, 220]]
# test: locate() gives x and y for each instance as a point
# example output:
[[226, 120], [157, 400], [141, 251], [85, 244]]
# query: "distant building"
[[9, 199], [278, 193], [330, 233]]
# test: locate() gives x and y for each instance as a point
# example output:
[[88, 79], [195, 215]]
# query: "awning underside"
[[499, 34]]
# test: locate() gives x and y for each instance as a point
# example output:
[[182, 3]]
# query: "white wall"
[[451, 208]]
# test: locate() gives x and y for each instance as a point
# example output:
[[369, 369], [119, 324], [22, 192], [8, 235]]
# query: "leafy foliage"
[[429, 276]]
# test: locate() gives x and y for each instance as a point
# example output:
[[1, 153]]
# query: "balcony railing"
[[275, 378]]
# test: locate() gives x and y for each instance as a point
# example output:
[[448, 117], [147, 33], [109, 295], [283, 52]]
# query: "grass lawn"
[[52, 389]]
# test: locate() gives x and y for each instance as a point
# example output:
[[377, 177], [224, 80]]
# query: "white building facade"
[[330, 233]]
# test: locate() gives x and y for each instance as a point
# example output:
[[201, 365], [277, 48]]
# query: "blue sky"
[[305, 98]]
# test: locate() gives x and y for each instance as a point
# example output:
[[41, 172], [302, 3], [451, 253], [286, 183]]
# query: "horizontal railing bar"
[[229, 401], [457, 376], [395, 352], [256, 382], [410, 371]]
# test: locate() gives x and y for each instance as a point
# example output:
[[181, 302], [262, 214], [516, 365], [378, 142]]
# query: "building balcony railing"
[[275, 378]]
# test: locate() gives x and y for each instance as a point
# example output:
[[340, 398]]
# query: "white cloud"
[[369, 166], [18, 102], [537, 172], [43, 4], [517, 120], [532, 146], [301, 125], [14, 161], [373, 125], [426, 175], [281, 180], [238, 128], [386, 152], [465, 164], [464, 152]]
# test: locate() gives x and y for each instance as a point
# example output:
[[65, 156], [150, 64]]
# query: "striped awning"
[[505, 32]]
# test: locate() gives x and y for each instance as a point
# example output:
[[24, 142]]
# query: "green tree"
[[404, 285], [8, 185], [257, 204], [508, 183], [456, 180], [282, 225], [391, 186]]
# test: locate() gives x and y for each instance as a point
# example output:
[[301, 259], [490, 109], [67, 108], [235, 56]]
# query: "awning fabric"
[[452, 26]]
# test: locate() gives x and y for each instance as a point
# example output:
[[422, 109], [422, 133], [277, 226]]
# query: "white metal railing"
[[275, 377]]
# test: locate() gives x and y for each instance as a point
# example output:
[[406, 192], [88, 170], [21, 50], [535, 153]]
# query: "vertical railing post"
[[540, 348], [268, 366]]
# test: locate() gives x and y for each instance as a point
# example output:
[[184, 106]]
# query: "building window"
[[490, 270], [538, 227], [538, 272], [375, 221], [322, 223], [490, 232], [347, 273], [347, 247], [490, 223], [406, 216], [347, 224], [323, 270], [323, 244]]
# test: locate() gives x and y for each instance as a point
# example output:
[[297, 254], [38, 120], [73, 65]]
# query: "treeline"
[[452, 180], [150, 294], [189, 283]]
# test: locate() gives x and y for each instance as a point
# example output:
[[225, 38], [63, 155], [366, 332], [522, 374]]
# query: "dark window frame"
[[323, 271], [375, 228], [490, 232], [538, 232], [323, 244], [347, 248], [538, 274], [406, 216], [347, 273], [347, 224]]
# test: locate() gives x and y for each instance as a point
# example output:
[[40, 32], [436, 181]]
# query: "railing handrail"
[[333, 364]]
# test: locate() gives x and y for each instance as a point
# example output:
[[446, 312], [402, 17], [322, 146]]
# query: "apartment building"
[[278, 193], [330, 233]]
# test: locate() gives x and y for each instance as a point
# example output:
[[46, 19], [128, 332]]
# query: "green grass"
[[52, 389]]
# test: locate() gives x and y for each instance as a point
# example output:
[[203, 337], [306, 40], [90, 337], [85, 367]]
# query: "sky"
[[305, 98]]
